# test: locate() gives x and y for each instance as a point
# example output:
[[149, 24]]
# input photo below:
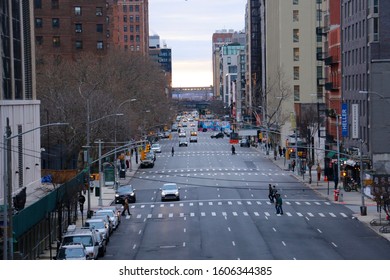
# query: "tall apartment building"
[[162, 55], [130, 24], [290, 60], [67, 28], [18, 101], [366, 92]]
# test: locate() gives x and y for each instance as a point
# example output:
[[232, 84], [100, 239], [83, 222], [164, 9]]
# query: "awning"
[[330, 154]]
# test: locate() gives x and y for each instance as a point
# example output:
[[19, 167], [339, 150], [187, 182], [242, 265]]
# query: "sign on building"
[[355, 121], [344, 120]]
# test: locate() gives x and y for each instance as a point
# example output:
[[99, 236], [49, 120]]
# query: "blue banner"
[[344, 120]]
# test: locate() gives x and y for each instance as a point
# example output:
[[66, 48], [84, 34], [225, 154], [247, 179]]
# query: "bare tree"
[[91, 88]]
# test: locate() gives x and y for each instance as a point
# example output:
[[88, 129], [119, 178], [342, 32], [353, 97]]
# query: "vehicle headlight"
[[177, 193], [132, 194], [163, 193], [116, 195]]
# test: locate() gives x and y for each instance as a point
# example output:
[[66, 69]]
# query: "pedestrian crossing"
[[191, 209]]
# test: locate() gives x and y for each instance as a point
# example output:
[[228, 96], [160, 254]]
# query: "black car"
[[123, 192], [217, 135]]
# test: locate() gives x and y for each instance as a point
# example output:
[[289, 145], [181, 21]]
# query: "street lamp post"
[[89, 122], [338, 157], [120, 105], [7, 183]]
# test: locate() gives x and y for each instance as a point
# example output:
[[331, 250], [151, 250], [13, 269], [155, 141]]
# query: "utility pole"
[[7, 240]]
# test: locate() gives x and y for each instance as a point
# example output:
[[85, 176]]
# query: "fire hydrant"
[[336, 195]]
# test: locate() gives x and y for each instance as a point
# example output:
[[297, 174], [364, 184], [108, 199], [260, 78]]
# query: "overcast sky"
[[187, 26]]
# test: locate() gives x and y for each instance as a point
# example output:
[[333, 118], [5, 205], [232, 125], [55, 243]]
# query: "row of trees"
[[92, 87]]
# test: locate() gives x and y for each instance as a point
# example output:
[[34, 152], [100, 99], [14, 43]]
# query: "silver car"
[[170, 191], [110, 213], [99, 225]]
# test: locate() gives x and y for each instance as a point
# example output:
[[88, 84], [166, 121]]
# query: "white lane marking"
[[171, 205], [139, 216], [234, 244], [310, 214], [184, 230], [299, 214], [334, 244], [191, 204], [160, 215], [319, 230], [230, 203], [298, 203], [134, 246], [161, 205], [239, 202], [142, 206], [200, 203], [149, 216], [267, 214], [321, 214], [219, 203], [210, 203], [317, 203], [249, 203], [152, 206], [344, 215], [245, 213], [258, 202], [140, 231], [184, 244], [333, 215], [170, 215], [224, 214], [181, 215], [288, 202], [235, 214], [213, 214], [192, 214], [284, 244], [308, 203], [288, 214], [202, 214], [256, 213], [274, 229]]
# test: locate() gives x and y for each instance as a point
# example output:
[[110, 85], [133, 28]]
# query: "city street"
[[224, 211]]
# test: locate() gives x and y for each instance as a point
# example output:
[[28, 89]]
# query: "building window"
[[99, 28], [297, 93], [131, 38], [296, 54], [56, 41], [124, 8], [125, 38], [131, 28], [131, 18], [55, 4], [137, 38], [99, 45], [136, 18], [38, 23], [124, 28], [296, 35], [99, 11], [137, 28], [131, 8], [78, 27], [137, 8], [55, 22], [295, 16], [79, 45], [77, 11], [37, 4], [296, 72], [39, 40], [124, 18], [295, 2]]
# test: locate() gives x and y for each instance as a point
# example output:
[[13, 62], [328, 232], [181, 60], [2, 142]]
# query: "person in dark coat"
[[278, 204]]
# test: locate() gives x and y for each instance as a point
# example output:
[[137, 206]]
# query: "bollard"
[[336, 195]]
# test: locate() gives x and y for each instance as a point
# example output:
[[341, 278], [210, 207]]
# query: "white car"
[[170, 191], [99, 225], [182, 134], [74, 251], [112, 214], [156, 148]]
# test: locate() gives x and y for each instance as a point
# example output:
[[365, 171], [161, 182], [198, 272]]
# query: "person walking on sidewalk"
[[278, 204], [293, 165], [126, 208], [319, 170]]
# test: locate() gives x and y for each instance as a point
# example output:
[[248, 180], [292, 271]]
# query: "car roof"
[[169, 184]]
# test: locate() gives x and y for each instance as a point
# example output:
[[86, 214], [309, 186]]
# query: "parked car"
[[156, 148], [123, 192], [72, 251], [217, 135], [170, 191], [85, 236], [183, 143], [113, 214], [102, 245], [100, 225]]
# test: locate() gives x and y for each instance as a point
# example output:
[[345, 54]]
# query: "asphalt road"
[[224, 212]]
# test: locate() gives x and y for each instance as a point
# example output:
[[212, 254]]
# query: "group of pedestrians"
[[275, 197]]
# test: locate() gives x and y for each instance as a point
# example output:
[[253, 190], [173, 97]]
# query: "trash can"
[[122, 174], [336, 195], [97, 190]]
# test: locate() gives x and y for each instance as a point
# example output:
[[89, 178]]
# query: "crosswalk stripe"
[[249, 203], [139, 216], [160, 215], [299, 214], [310, 214], [200, 203], [202, 214], [321, 214], [213, 214], [224, 214], [344, 215], [308, 203], [235, 214], [149, 216], [333, 215], [245, 213], [267, 214], [170, 215], [288, 214], [192, 214], [181, 215], [256, 213]]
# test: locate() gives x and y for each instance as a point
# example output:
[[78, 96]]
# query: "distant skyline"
[[187, 26]]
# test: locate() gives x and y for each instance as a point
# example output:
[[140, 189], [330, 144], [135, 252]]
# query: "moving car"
[[156, 148], [170, 191], [244, 143], [123, 192], [217, 135], [193, 139], [182, 134], [183, 143]]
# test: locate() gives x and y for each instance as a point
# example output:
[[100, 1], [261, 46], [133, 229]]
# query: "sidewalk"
[[107, 197], [352, 200]]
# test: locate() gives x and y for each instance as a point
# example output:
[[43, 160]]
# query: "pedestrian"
[[270, 193], [233, 150], [280, 151], [173, 151], [275, 154], [284, 151], [293, 165], [126, 208], [319, 170], [278, 204]]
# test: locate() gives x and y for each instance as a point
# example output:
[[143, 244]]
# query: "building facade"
[[365, 66], [68, 28], [18, 103], [162, 56]]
